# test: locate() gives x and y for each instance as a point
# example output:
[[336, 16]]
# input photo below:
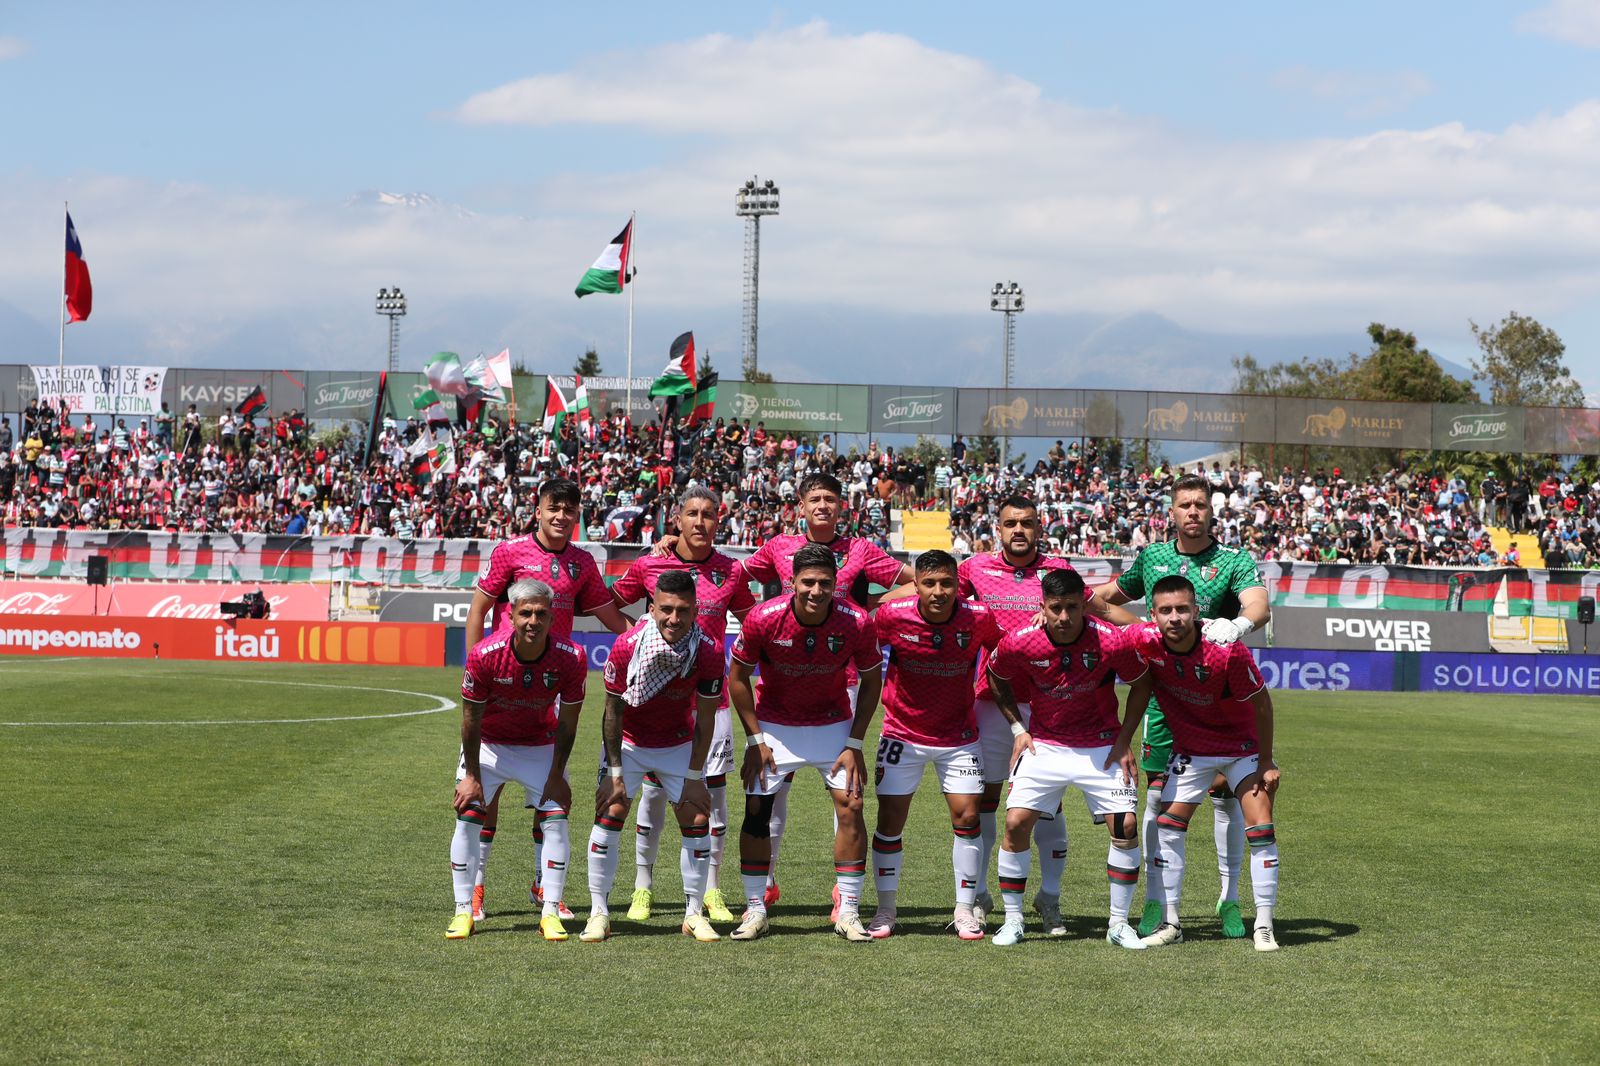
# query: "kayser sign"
[[158, 599]]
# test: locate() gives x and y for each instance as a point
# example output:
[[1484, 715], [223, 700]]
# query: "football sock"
[[754, 876], [1172, 832], [557, 849], [1263, 870], [886, 856], [647, 833], [718, 788], [850, 873], [964, 861], [1228, 822], [780, 814], [604, 843], [694, 861], [986, 839], [538, 850], [1122, 869], [485, 842], [1050, 834], [464, 857], [1147, 833], [1014, 880]]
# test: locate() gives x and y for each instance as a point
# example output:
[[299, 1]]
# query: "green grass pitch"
[[255, 892]]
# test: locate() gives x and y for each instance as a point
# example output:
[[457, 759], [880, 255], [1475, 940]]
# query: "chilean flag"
[[80, 294]]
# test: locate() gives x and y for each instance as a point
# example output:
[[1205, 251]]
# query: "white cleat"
[[982, 906], [1048, 908], [1166, 933], [1265, 939], [849, 926], [596, 929], [752, 927], [1124, 935], [1010, 933]]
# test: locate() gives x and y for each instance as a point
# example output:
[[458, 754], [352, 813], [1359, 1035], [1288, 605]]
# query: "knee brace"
[[1124, 830], [758, 822]]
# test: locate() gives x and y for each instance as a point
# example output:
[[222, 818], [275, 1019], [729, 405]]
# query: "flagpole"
[[633, 241], [61, 350]]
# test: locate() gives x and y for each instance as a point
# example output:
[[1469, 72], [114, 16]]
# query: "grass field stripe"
[[444, 705]]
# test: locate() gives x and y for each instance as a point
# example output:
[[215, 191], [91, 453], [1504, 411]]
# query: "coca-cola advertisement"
[[159, 599]]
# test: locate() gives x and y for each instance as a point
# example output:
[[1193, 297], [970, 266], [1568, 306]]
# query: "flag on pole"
[[705, 397], [444, 453], [481, 376], [679, 377], [610, 271], [79, 292], [500, 367], [428, 405], [580, 404], [252, 403], [555, 406], [445, 375], [376, 424]]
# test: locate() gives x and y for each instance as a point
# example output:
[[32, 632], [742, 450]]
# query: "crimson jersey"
[[856, 558], [1074, 685], [1012, 594], [803, 667], [926, 697], [1204, 693], [719, 585], [667, 718], [520, 695], [571, 573]]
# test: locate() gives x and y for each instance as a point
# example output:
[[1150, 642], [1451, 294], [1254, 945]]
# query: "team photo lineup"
[[998, 672]]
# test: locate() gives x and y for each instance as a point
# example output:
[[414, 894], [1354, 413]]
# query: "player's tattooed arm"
[[469, 790], [612, 790], [695, 797], [1114, 613], [758, 759], [851, 762], [1269, 769], [556, 789], [1006, 701]]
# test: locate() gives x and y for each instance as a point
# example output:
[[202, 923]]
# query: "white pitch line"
[[444, 705]]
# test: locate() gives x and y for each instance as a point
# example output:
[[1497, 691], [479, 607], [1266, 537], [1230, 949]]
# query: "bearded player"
[[511, 730], [803, 642], [720, 590], [934, 639], [1232, 598], [1220, 714], [1071, 664], [663, 683]]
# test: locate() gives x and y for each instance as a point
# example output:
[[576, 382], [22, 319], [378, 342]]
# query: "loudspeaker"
[[1586, 609], [97, 569]]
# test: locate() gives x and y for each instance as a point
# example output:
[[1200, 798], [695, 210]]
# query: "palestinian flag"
[[427, 404], [679, 377], [610, 271], [446, 376], [252, 403], [376, 424], [469, 411], [580, 403], [705, 398], [555, 406]]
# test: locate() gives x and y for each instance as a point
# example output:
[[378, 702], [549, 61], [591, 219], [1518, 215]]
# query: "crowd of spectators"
[[272, 475]]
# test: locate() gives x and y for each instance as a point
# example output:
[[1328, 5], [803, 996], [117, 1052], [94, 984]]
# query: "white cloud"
[[12, 48], [1574, 21], [1361, 94]]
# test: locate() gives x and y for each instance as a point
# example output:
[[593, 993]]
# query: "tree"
[[1522, 364], [589, 365]]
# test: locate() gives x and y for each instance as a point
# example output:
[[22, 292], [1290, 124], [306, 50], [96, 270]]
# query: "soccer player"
[[547, 554], [720, 590], [1232, 598], [934, 641], [511, 730], [1071, 665], [803, 642], [1220, 714], [663, 682], [1008, 582]]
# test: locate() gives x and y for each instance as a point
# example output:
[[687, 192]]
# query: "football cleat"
[[564, 910], [1153, 914], [717, 907], [967, 925], [697, 926], [1265, 939], [1124, 935], [848, 925], [1048, 908], [596, 929], [1166, 933], [983, 906], [882, 925], [477, 903], [1010, 933], [460, 926], [752, 927], [773, 894], [552, 929], [1232, 923], [639, 909]]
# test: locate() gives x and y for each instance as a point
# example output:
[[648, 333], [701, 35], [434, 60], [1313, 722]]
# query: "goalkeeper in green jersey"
[[1233, 598]]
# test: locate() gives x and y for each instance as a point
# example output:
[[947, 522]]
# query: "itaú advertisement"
[[268, 641], [159, 599]]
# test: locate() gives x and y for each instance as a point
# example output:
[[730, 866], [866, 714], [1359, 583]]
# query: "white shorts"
[[1189, 777], [900, 766], [995, 739], [719, 760], [668, 764], [1040, 780], [797, 746], [526, 764]]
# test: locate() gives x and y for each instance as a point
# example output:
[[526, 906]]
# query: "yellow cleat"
[[698, 927], [460, 927], [717, 907], [550, 925], [639, 909]]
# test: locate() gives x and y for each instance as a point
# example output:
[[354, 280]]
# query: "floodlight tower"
[[392, 302], [750, 201], [1006, 298]]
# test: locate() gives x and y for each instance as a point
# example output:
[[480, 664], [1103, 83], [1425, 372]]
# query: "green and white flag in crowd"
[[446, 376], [580, 404], [610, 271], [428, 406]]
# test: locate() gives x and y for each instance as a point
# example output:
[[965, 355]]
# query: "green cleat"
[[1232, 923], [1153, 914], [639, 909]]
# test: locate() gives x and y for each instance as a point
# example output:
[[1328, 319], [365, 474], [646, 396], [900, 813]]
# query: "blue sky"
[[1245, 170]]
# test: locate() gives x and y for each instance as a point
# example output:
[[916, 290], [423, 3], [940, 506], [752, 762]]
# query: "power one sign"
[[1383, 634]]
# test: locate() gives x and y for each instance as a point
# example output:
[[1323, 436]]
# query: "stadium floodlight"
[[1006, 297], [392, 302], [750, 201]]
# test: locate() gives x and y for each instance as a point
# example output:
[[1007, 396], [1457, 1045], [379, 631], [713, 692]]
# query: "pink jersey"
[[1204, 694], [803, 667], [520, 695], [571, 573], [1073, 685], [1012, 594], [856, 558], [666, 719], [926, 697], [720, 587]]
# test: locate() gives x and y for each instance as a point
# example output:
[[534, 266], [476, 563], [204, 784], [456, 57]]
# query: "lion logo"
[[1007, 415], [1328, 425], [1167, 419]]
